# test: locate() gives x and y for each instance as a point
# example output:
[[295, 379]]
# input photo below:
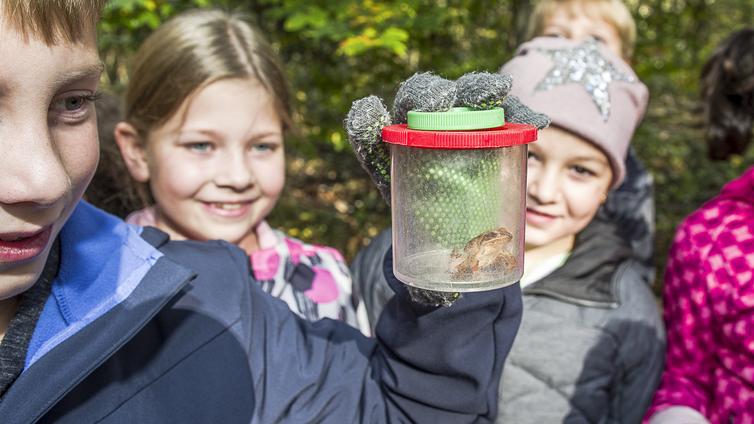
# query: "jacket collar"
[[71, 360], [742, 188], [588, 277], [102, 261]]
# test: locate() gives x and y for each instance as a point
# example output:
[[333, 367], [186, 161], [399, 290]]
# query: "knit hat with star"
[[585, 89]]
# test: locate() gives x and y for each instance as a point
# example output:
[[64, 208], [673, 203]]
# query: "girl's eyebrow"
[[91, 71], [266, 134], [212, 133], [208, 132]]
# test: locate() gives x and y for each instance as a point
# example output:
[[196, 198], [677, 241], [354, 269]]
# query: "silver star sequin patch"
[[585, 65]]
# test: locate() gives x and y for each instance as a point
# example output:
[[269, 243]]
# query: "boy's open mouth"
[[15, 247]]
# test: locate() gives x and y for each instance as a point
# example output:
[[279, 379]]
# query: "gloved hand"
[[426, 92]]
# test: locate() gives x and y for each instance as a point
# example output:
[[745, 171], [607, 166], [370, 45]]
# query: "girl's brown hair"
[[727, 86], [189, 52]]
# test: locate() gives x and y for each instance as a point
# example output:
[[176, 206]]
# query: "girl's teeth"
[[227, 206]]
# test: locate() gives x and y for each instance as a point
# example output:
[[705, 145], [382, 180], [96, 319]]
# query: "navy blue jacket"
[[196, 341]]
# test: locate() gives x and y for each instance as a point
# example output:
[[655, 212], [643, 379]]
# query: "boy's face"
[[575, 24], [566, 182], [48, 146]]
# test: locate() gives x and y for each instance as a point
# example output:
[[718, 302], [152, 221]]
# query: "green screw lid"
[[456, 119]]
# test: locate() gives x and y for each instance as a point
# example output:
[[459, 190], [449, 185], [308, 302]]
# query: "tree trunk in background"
[[520, 11]]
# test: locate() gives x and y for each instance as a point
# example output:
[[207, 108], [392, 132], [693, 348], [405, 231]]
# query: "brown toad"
[[487, 252]]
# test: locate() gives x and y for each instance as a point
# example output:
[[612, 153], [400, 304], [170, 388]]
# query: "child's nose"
[[235, 173], [543, 185], [31, 167]]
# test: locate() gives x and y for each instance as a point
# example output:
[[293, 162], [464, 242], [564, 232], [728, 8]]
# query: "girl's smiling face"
[[568, 179], [216, 168]]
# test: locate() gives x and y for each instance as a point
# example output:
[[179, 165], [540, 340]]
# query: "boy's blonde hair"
[[192, 51], [53, 20], [614, 12]]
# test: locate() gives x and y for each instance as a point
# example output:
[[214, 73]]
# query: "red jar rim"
[[509, 135]]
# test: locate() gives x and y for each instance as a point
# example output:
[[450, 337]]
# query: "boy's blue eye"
[[73, 107], [72, 104], [583, 171]]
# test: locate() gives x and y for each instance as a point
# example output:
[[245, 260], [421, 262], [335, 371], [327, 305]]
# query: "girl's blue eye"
[[200, 147], [263, 147]]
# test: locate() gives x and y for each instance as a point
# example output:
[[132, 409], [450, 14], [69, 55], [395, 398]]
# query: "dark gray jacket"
[[631, 209], [591, 344]]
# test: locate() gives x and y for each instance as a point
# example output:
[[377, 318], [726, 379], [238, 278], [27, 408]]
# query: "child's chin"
[[16, 278], [536, 237]]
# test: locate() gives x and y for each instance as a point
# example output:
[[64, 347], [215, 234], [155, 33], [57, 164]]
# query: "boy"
[[631, 206], [591, 342], [105, 322]]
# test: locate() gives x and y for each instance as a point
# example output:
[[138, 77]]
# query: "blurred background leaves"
[[340, 50]]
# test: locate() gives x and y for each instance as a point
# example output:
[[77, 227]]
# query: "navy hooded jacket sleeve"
[[433, 365]]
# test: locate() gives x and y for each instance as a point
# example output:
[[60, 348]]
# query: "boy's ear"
[[133, 151]]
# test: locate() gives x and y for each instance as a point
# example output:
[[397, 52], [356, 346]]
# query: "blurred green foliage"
[[339, 50]]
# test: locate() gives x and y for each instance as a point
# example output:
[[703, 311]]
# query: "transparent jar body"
[[458, 217]]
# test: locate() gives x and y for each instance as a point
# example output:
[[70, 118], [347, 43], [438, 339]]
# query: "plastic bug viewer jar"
[[458, 199]]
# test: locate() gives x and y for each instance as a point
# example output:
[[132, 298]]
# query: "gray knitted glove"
[[426, 92]]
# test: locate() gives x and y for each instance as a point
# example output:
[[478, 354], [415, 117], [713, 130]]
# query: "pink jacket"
[[709, 309]]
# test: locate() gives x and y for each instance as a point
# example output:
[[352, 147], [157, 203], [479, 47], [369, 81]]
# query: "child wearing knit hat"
[[609, 22], [591, 343]]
